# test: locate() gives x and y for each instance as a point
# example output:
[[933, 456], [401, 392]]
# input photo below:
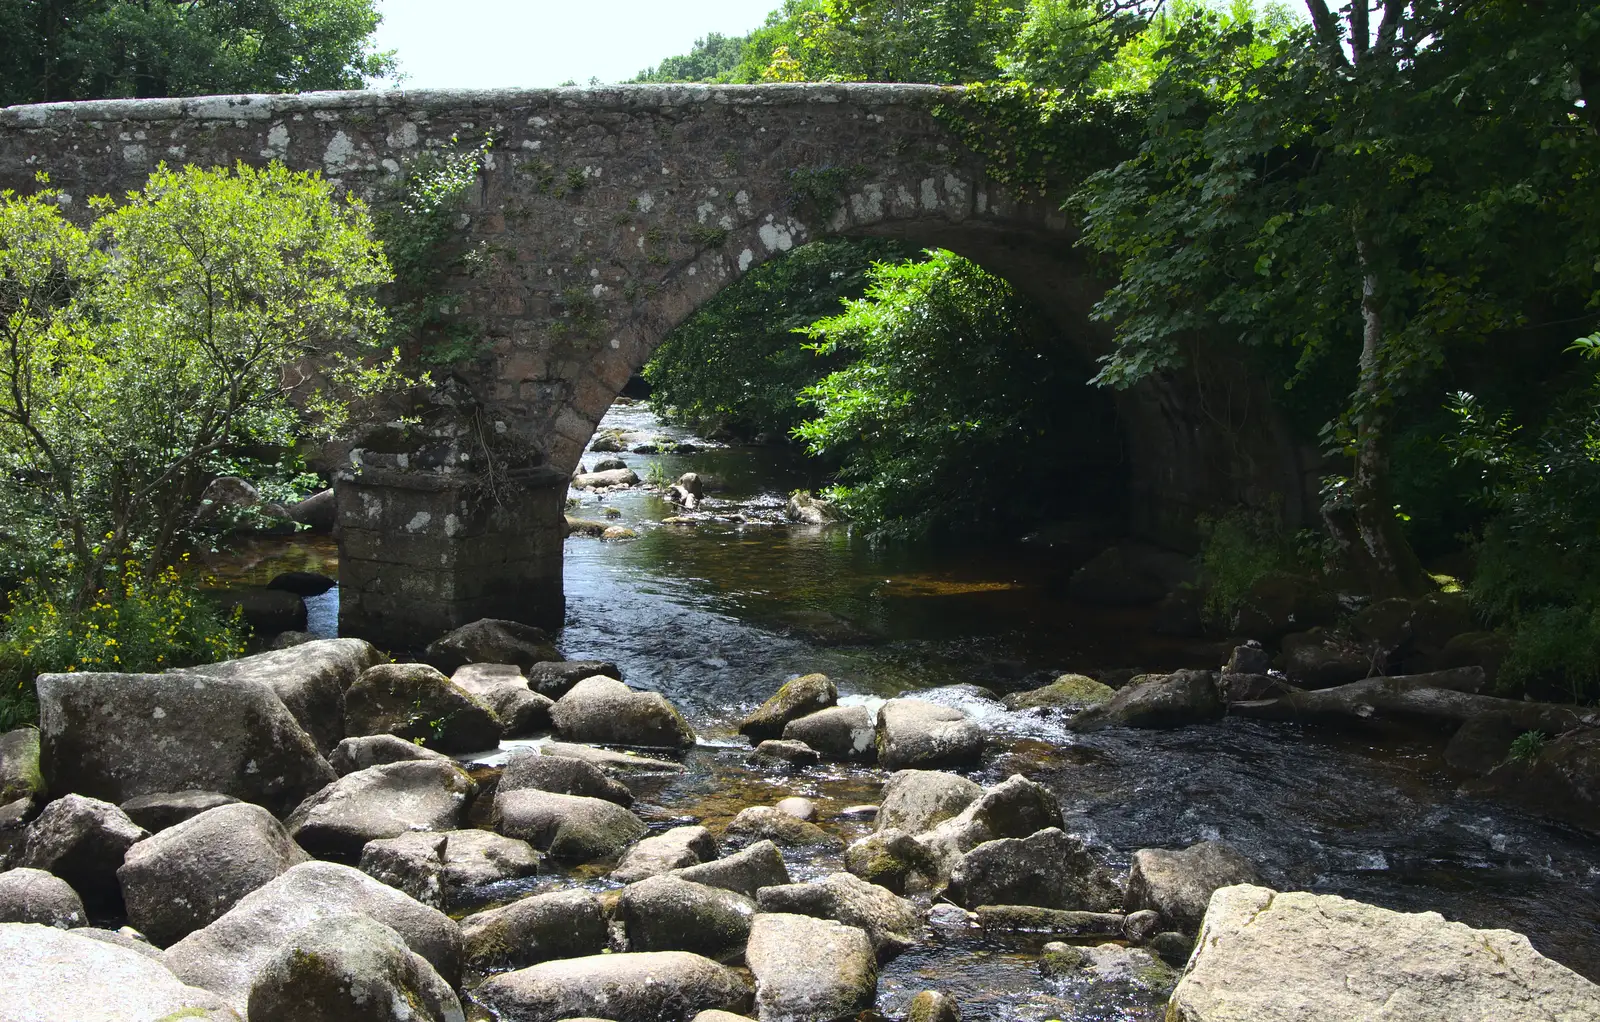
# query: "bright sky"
[[482, 44]]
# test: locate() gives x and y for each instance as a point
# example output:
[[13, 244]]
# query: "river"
[[717, 613]]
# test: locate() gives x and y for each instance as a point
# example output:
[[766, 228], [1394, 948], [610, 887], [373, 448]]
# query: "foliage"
[[212, 310], [141, 621], [736, 364], [1526, 747], [105, 49], [951, 397], [1238, 549], [712, 58]]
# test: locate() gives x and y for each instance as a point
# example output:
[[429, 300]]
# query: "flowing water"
[[717, 612]]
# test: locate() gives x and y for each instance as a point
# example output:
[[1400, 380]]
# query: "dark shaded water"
[[717, 613]]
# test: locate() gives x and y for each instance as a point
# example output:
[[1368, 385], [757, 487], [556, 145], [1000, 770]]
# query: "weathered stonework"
[[602, 219]]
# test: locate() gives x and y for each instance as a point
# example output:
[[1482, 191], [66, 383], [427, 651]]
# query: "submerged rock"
[[34, 896], [416, 702], [916, 733], [166, 809], [436, 868], [562, 924], [808, 968], [491, 641], [839, 732], [56, 976], [804, 695], [378, 802], [1179, 884], [1266, 956], [82, 841], [601, 709], [655, 986], [677, 848], [668, 913]]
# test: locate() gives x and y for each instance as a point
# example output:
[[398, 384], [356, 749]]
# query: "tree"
[[712, 59], [53, 50], [214, 308]]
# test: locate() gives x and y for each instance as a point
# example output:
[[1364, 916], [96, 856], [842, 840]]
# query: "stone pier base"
[[422, 552]]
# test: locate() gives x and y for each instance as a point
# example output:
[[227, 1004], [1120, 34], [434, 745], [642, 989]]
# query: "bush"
[[137, 624], [1239, 549]]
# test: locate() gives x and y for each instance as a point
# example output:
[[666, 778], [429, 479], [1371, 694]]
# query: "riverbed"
[[716, 612]]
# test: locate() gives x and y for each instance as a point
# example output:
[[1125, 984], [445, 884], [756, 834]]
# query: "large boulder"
[[1014, 808], [568, 828], [668, 913], [354, 754], [917, 733], [381, 801], [555, 678], [34, 896], [1325, 657], [564, 775], [1157, 701], [839, 732], [1070, 692], [190, 874], [602, 709], [655, 986], [442, 869], [317, 512], [82, 841], [809, 968], [895, 861], [916, 800], [57, 976], [310, 678], [561, 924], [890, 922], [118, 736], [1179, 884], [746, 871], [768, 823], [503, 689], [229, 955], [163, 809], [1265, 956], [415, 701], [349, 968], [1130, 575], [491, 641], [1562, 779], [804, 695], [677, 848], [19, 765], [1050, 869]]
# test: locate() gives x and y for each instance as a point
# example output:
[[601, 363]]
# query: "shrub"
[[1239, 549]]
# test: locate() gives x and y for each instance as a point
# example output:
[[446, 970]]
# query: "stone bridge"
[[602, 218]]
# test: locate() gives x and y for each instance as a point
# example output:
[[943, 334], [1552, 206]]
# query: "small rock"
[[354, 754], [839, 732], [555, 678], [764, 823], [786, 753], [1158, 701], [1070, 692], [562, 924], [529, 768], [1049, 869], [82, 841], [608, 465], [382, 801], [916, 800], [415, 701], [655, 986], [437, 869], [164, 809], [746, 871], [618, 533], [668, 913], [798, 807], [503, 689], [1016, 807], [1172, 947], [1140, 926], [1248, 659], [64, 976], [809, 510], [1179, 884], [192, 872], [677, 848], [890, 922], [945, 916], [933, 1006], [601, 709], [915, 733], [492, 641], [568, 828], [802, 696], [34, 896], [809, 968]]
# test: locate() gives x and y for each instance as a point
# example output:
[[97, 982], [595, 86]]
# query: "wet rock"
[[1140, 926], [1129, 575], [1050, 869], [605, 480], [34, 896], [618, 533], [191, 873], [1238, 688], [354, 754], [677, 848], [933, 1006], [601, 709], [1562, 780], [82, 841], [916, 733], [56, 976], [949, 918], [1482, 742], [348, 968], [765, 823], [1172, 947], [840, 732], [555, 678], [378, 802], [608, 465], [1324, 658], [317, 511], [303, 583], [668, 913], [1070, 692], [916, 800], [866, 813], [611, 762], [415, 701], [19, 765], [118, 736], [808, 968], [436, 869], [310, 678], [568, 828], [1109, 963], [890, 922], [806, 509], [1054, 921], [785, 753], [491, 641], [562, 924], [265, 611], [1014, 808], [529, 768], [165, 809], [1299, 957], [503, 689], [804, 695], [1179, 884], [655, 986], [746, 871], [798, 807], [230, 954], [1158, 701], [894, 860]]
